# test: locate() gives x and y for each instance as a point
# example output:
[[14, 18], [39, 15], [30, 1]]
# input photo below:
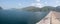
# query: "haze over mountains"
[[44, 9], [37, 9]]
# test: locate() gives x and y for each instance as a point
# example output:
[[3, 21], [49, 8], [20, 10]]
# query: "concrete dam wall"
[[52, 18]]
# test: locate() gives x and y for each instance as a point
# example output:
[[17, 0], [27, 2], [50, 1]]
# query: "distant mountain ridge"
[[31, 8], [37, 9]]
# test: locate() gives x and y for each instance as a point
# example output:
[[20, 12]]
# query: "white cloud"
[[19, 4], [38, 0], [33, 4], [57, 1], [37, 4], [45, 2]]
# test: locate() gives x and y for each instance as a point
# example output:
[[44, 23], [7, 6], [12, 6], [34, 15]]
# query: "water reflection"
[[20, 17]]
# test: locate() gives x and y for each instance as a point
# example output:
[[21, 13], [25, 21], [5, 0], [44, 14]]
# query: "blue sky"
[[6, 4]]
